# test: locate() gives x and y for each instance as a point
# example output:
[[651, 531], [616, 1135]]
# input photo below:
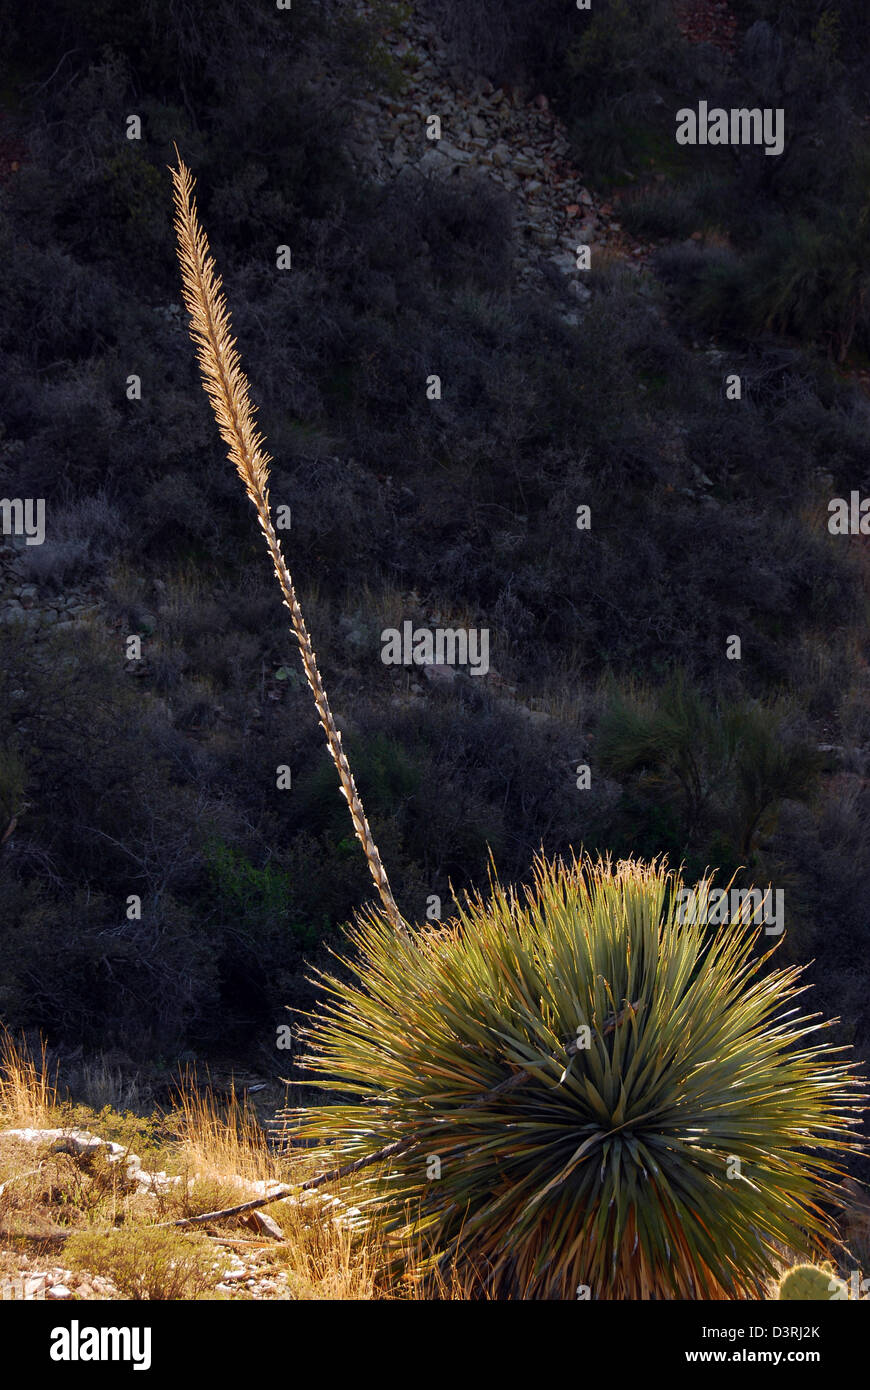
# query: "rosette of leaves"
[[579, 1090]]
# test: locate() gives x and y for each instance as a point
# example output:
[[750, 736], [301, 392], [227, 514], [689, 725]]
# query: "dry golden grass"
[[28, 1092], [217, 1138], [329, 1252], [105, 1225]]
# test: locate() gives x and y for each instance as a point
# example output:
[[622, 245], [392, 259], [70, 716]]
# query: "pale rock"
[[433, 162], [439, 674], [265, 1224], [452, 152]]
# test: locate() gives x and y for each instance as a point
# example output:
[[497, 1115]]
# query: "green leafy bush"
[[731, 763], [808, 280], [146, 1263], [252, 893]]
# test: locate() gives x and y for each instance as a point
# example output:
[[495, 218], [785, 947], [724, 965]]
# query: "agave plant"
[[572, 1088], [593, 1093]]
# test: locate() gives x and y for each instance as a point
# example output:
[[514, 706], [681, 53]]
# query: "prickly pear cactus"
[[811, 1282]]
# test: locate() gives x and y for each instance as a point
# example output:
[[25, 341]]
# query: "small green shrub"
[[805, 279], [256, 895], [661, 211], [729, 764], [146, 1263]]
